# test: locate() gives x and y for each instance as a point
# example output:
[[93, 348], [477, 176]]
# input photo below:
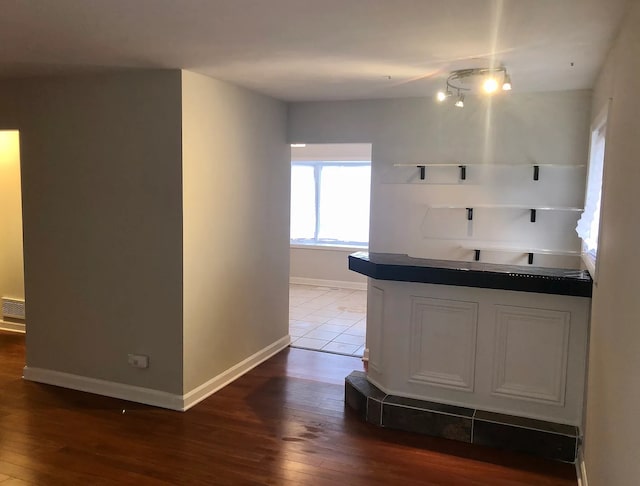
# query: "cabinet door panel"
[[443, 343], [531, 351]]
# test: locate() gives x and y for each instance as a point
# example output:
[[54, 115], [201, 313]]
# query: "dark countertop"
[[403, 268]]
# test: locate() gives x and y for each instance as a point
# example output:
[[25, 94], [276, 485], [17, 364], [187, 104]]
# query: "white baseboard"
[[149, 396], [12, 326], [223, 379], [102, 387], [581, 470], [318, 282]]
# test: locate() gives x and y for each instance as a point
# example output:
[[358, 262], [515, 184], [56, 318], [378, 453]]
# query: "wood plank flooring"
[[282, 423]]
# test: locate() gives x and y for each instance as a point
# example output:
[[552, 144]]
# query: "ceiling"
[[316, 49]]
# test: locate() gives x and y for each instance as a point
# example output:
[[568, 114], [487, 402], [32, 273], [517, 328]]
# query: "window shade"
[[588, 224]]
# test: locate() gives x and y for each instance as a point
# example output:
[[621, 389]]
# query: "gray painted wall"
[[123, 255], [102, 220], [236, 186], [612, 438]]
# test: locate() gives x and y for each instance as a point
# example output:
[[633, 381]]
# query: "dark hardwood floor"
[[282, 423]]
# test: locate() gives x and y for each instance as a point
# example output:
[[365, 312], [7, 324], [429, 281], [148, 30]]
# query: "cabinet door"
[[443, 343], [530, 355]]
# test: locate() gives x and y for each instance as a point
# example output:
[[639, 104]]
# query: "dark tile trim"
[[358, 379], [527, 423], [374, 411], [428, 422], [529, 441], [538, 437], [431, 406]]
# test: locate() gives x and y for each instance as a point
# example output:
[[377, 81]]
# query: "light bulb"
[[490, 85], [460, 101], [441, 96], [506, 84]]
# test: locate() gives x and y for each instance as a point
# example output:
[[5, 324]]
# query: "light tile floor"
[[327, 319]]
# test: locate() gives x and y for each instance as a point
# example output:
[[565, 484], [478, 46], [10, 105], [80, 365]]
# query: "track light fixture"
[[458, 80], [443, 95], [506, 82]]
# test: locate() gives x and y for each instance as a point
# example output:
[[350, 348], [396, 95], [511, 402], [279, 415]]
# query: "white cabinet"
[[520, 353]]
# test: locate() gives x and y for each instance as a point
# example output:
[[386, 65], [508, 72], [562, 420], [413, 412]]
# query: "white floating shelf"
[[463, 167], [524, 251], [462, 164], [509, 249], [505, 206], [532, 209], [420, 164]]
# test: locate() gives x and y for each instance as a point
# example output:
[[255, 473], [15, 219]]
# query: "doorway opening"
[[12, 314], [330, 205]]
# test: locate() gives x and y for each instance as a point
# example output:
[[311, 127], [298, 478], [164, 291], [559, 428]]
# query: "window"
[[589, 223], [330, 202]]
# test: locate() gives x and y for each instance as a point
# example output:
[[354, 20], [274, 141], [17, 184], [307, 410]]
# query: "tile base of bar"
[[518, 434]]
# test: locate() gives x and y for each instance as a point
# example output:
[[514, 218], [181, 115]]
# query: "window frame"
[[317, 172], [599, 127]]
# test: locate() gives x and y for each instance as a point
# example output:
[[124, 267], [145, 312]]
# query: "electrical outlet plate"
[[138, 360]]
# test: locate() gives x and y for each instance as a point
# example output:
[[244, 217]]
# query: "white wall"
[[612, 441], [11, 260], [101, 183], [236, 181], [517, 128], [308, 264]]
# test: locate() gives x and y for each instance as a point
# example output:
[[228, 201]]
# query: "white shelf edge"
[[458, 164], [538, 251], [420, 164], [505, 206], [564, 166]]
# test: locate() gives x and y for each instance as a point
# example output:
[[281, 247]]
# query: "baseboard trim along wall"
[[581, 469], [149, 396], [102, 387], [223, 379], [12, 326], [317, 282]]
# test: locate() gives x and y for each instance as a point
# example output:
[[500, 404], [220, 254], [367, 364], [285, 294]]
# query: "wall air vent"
[[13, 308]]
